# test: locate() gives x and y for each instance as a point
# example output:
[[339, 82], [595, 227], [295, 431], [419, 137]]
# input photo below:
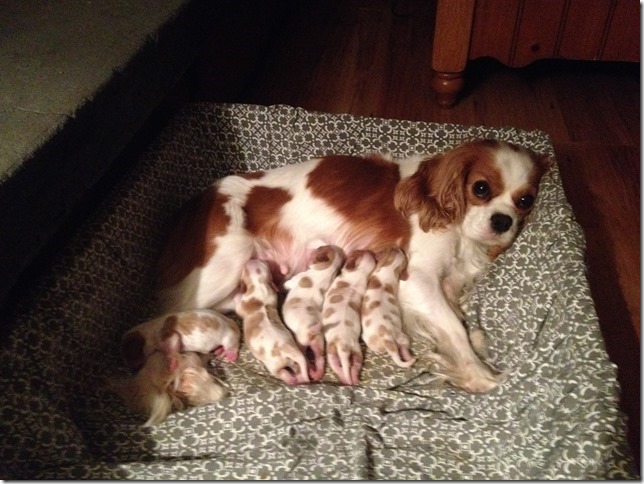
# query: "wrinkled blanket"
[[556, 417]]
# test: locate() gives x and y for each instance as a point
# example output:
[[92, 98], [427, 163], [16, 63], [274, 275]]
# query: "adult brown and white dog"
[[451, 213]]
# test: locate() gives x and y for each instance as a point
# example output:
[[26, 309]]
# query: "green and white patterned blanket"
[[556, 417]]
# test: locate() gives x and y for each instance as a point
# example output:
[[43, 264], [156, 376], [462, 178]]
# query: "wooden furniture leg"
[[451, 48], [447, 86]]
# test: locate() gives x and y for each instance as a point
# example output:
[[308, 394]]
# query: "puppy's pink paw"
[[400, 353], [314, 354], [286, 363], [293, 373], [346, 362], [230, 354]]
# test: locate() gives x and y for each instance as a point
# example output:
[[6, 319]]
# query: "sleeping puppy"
[[381, 319], [302, 309], [264, 332], [199, 330], [171, 372], [169, 382], [341, 316]]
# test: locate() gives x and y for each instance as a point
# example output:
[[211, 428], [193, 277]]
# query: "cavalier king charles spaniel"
[[451, 214]]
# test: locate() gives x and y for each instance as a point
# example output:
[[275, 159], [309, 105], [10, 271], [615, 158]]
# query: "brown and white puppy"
[[199, 330], [169, 382], [170, 354], [341, 316], [264, 332], [381, 317], [302, 308]]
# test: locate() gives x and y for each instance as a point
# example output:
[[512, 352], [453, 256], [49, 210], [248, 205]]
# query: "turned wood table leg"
[[450, 50], [447, 86]]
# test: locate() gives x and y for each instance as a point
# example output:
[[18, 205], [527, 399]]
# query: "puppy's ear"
[[435, 191]]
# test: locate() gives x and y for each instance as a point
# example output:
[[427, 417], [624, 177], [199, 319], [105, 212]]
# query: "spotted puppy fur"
[[341, 316], [264, 332], [170, 355], [199, 330], [381, 319], [302, 309]]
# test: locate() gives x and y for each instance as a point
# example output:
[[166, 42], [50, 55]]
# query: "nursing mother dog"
[[452, 214]]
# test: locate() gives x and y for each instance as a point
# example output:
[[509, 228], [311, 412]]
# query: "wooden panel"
[[539, 25], [494, 28], [452, 35], [584, 30], [623, 39]]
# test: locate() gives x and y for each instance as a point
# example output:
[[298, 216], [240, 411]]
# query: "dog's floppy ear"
[[435, 191]]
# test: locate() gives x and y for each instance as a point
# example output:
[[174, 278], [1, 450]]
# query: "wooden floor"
[[372, 57]]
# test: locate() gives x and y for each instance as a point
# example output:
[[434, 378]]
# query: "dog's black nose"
[[501, 223]]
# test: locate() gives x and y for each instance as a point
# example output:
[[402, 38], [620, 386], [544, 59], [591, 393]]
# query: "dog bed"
[[555, 417]]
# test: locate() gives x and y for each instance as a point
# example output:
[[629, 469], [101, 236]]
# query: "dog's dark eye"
[[525, 202], [481, 189]]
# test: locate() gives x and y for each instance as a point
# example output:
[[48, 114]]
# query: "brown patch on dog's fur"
[[362, 191], [306, 282], [191, 240], [263, 207], [250, 306], [252, 175], [374, 283]]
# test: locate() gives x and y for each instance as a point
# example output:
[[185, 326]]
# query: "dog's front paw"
[[472, 376], [477, 379]]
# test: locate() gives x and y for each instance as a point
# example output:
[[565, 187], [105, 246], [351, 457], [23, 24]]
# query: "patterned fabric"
[[556, 416]]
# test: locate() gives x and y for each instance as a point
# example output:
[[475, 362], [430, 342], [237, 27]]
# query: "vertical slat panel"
[[584, 29], [452, 35], [536, 37], [623, 39], [494, 29]]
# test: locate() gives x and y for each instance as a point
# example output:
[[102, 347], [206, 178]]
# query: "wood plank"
[[623, 39], [540, 19], [584, 29], [494, 27]]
